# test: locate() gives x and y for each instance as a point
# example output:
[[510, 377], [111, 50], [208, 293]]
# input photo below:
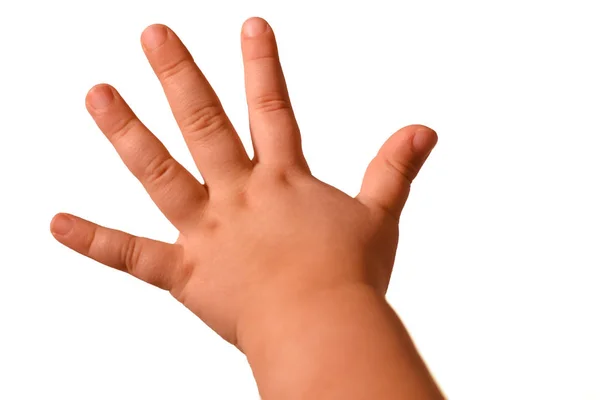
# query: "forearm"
[[345, 343]]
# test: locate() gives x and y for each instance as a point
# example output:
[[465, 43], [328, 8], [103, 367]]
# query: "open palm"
[[259, 232]]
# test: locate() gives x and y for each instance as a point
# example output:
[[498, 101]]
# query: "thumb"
[[388, 177]]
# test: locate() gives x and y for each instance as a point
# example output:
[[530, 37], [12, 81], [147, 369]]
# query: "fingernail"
[[254, 27], [154, 36], [423, 140], [62, 225], [100, 96]]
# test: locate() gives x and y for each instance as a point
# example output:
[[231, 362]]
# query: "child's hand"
[[263, 234]]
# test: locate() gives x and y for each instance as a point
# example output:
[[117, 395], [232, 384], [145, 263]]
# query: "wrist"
[[340, 342], [277, 317]]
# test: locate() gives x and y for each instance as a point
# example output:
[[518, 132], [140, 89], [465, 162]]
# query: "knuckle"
[[174, 68], [204, 121], [406, 170], [160, 169], [267, 57], [132, 255], [182, 276], [270, 102], [122, 127], [91, 242]]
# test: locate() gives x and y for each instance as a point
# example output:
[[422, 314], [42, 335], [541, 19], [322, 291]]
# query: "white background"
[[497, 272]]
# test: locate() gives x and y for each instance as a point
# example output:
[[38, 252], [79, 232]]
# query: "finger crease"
[[405, 170], [124, 127], [203, 123], [174, 68]]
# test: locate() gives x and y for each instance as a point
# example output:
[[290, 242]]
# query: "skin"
[[287, 268]]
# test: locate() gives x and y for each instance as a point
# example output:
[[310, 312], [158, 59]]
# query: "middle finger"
[[210, 136]]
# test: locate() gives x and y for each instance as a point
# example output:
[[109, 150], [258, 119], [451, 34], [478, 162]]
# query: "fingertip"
[[153, 36], [424, 140], [254, 27], [100, 96], [61, 225]]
